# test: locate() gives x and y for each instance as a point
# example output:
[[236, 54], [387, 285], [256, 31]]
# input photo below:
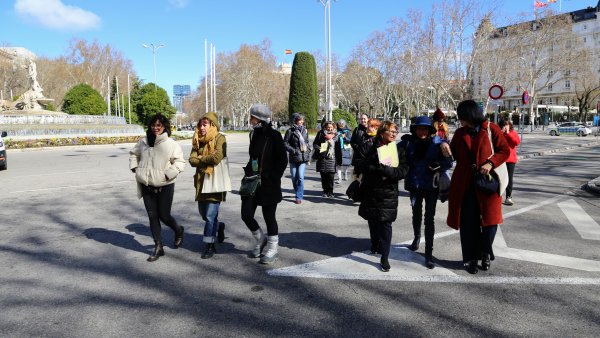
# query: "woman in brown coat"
[[475, 213], [208, 150]]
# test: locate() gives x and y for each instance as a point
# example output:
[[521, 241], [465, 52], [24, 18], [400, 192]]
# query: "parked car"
[[3, 164], [576, 128]]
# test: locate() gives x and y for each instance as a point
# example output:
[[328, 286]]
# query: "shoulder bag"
[[501, 171], [250, 184], [219, 181]]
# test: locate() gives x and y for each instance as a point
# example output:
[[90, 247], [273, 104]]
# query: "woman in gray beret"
[[267, 159]]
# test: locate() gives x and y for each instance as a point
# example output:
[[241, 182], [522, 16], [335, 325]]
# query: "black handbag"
[[486, 183], [250, 185], [353, 191]]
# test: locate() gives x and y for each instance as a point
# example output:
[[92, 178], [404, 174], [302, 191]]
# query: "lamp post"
[[327, 24], [153, 48]]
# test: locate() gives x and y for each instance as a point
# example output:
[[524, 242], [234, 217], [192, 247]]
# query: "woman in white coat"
[[156, 161]]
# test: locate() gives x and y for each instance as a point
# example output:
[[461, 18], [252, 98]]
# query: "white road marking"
[[580, 220], [407, 266]]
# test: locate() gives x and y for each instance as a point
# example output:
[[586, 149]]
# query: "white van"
[[3, 164]]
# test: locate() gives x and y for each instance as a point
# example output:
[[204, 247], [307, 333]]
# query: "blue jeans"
[[210, 214], [297, 172]]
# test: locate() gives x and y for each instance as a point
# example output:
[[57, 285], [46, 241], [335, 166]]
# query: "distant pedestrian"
[[267, 159], [366, 142], [298, 147], [379, 190], [345, 160], [209, 148], [326, 153], [426, 161], [358, 137], [513, 140], [440, 125], [475, 213], [156, 161]]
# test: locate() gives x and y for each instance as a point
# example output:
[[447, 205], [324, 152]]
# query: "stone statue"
[[32, 70]]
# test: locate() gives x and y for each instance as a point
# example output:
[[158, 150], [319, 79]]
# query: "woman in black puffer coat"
[[379, 191], [326, 159]]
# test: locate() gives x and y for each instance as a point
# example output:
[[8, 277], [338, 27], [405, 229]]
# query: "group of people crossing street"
[[369, 154]]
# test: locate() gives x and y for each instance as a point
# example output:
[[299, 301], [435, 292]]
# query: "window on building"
[[584, 26], [549, 101], [584, 39], [550, 73], [517, 89], [568, 72], [567, 83], [550, 86]]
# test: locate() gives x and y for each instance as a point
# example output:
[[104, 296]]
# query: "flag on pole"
[[551, 1], [288, 51], [539, 4]]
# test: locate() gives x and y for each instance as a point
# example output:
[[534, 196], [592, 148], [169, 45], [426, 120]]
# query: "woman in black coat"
[[326, 151], [267, 158], [379, 191]]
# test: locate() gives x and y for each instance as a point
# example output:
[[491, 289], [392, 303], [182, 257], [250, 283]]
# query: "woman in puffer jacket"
[[156, 161], [326, 152], [379, 191]]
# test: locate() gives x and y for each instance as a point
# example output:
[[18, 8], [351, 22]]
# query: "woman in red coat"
[[475, 213], [513, 140]]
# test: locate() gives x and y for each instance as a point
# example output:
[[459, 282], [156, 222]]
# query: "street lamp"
[[154, 49], [327, 24]]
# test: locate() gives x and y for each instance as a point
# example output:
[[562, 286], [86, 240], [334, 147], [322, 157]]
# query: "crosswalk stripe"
[[580, 220]]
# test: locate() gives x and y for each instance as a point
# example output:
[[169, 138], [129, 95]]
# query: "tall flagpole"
[[206, 75]]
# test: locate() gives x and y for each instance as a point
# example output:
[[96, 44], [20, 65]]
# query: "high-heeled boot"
[[221, 233], [209, 251], [178, 237], [158, 251], [415, 244]]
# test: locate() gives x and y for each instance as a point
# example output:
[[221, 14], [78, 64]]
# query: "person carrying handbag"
[[475, 213], [209, 150], [268, 159]]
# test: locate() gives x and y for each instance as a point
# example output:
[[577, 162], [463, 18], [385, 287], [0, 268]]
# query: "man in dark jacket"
[[358, 137], [267, 159]]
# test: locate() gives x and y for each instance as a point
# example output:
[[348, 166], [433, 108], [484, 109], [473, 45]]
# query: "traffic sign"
[[496, 91], [525, 97]]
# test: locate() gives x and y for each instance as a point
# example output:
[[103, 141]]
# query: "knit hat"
[[212, 117], [261, 112], [422, 121], [438, 115]]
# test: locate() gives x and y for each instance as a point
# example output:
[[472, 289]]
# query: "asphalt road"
[[75, 240]]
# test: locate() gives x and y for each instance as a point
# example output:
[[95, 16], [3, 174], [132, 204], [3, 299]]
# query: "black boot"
[[429, 262], [221, 232], [415, 244], [178, 237], [209, 251], [485, 262], [385, 265], [471, 267], [158, 251]]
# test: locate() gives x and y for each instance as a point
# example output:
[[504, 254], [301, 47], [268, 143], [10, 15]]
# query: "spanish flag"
[[288, 51]]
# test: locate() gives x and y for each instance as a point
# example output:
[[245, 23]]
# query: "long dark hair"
[[468, 110], [164, 121]]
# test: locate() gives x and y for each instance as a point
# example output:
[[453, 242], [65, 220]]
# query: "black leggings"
[[430, 197], [249, 206], [158, 203], [327, 182], [510, 167]]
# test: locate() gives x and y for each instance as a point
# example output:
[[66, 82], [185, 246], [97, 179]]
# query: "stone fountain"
[[26, 117]]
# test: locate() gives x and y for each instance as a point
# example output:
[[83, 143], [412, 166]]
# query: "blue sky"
[[46, 27]]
